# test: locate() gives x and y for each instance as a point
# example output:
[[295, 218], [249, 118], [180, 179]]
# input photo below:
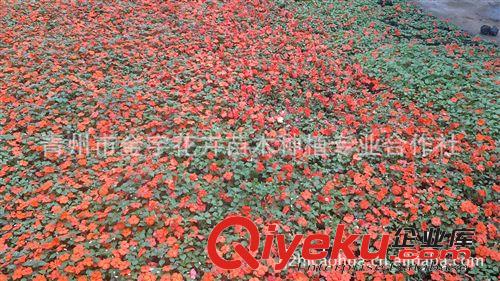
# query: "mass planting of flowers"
[[139, 71]]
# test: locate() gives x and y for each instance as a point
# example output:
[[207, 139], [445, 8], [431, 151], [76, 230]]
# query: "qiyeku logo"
[[313, 247]]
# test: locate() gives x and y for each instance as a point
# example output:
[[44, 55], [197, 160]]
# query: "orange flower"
[[37, 278], [173, 252], [306, 194], [207, 277], [228, 176], [21, 271], [133, 220], [48, 170], [147, 276], [299, 276], [364, 204], [82, 162], [177, 277], [348, 218], [468, 182], [62, 199], [469, 207], [45, 186], [436, 221], [302, 222], [150, 220], [260, 167]]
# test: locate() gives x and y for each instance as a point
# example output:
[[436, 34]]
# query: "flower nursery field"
[[129, 129]]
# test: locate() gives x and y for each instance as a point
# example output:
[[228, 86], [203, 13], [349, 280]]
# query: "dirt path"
[[470, 15]]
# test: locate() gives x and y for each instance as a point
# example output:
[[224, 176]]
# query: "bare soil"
[[469, 15]]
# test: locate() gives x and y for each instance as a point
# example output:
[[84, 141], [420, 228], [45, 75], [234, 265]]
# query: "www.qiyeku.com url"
[[351, 265]]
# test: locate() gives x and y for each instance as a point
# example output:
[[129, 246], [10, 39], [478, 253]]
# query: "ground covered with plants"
[[107, 82]]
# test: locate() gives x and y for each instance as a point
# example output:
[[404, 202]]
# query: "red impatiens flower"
[[468, 182], [133, 220], [348, 218], [469, 207], [436, 221]]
